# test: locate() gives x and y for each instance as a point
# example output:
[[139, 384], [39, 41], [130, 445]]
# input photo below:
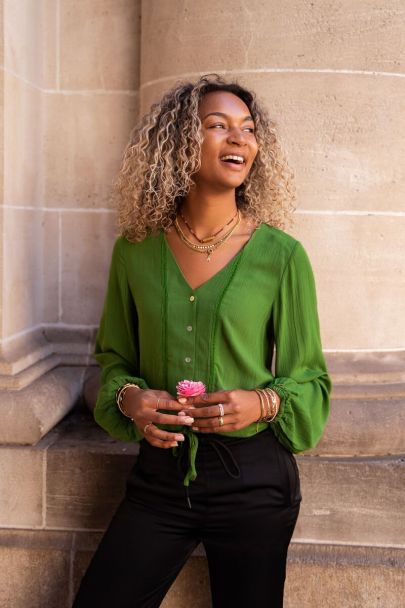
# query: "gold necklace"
[[208, 249], [209, 238]]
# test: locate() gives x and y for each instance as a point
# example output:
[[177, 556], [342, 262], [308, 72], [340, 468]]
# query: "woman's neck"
[[207, 213]]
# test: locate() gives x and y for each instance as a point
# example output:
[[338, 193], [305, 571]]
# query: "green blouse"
[[155, 330]]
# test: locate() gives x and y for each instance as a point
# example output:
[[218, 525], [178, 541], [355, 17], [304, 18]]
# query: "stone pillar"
[[333, 79], [70, 91]]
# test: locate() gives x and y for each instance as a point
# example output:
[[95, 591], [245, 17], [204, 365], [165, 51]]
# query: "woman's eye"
[[250, 129], [217, 125]]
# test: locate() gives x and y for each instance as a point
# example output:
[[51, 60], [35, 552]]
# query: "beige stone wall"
[[71, 75], [332, 75], [72, 70]]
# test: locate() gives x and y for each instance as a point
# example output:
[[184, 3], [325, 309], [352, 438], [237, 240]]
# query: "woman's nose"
[[236, 136]]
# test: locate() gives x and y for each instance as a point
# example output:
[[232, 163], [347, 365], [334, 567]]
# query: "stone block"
[[83, 143], [192, 586], [67, 340], [366, 368], [23, 351], [30, 374], [317, 575], [368, 425], [349, 576], [269, 35], [21, 487], [352, 500], [336, 166], [31, 41], [330, 124], [21, 283], [34, 569], [51, 236], [22, 136], [94, 37], [85, 544], [86, 474], [84, 275], [361, 308], [28, 414]]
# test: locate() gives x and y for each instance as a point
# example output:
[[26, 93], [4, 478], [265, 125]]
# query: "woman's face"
[[229, 143]]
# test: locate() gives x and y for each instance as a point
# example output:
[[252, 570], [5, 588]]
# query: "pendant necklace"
[[211, 247]]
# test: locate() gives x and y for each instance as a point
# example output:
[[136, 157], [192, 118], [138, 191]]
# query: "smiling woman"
[[204, 180]]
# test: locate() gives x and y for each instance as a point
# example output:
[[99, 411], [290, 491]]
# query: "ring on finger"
[[221, 409], [146, 427], [157, 403], [221, 421]]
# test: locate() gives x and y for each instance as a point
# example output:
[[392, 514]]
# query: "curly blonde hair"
[[163, 154]]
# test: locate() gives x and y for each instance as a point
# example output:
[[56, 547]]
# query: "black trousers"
[[243, 507]]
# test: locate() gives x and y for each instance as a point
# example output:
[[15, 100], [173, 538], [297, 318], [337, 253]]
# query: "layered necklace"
[[202, 247], [210, 237]]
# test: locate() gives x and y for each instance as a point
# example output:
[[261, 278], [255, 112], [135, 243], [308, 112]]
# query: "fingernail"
[[195, 428], [188, 420], [179, 437], [182, 400]]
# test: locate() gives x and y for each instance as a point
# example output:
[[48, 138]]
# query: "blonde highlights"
[[163, 154]]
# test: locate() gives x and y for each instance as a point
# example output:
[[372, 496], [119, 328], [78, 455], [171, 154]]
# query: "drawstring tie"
[[217, 445], [222, 451]]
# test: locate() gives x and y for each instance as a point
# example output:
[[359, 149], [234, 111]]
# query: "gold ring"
[[221, 421], [145, 428], [221, 409]]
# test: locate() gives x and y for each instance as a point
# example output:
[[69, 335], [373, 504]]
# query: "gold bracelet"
[[262, 408], [119, 397], [269, 406], [275, 403], [272, 408]]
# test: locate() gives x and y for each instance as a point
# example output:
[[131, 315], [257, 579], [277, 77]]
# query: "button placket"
[[189, 328]]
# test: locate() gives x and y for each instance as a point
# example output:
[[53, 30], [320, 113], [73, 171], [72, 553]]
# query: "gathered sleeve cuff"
[[117, 351], [301, 378]]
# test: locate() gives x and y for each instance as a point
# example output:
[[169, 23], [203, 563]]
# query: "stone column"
[[333, 81], [332, 76], [70, 99]]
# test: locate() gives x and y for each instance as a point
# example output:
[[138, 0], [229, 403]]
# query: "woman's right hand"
[[144, 405]]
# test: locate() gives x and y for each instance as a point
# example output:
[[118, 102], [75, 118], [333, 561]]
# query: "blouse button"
[[189, 328], [192, 298], [187, 359]]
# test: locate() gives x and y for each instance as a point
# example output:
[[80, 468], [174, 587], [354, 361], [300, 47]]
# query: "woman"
[[203, 285]]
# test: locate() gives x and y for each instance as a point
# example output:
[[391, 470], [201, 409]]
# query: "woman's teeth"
[[233, 158]]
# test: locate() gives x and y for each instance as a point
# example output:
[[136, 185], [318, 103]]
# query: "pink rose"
[[189, 388]]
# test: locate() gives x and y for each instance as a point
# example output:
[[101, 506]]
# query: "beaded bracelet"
[[119, 397]]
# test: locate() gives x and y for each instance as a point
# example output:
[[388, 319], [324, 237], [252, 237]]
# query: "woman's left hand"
[[240, 408]]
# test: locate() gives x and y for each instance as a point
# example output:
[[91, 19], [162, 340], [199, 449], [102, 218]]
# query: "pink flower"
[[189, 388]]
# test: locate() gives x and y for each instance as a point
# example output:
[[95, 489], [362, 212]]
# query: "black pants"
[[243, 507]]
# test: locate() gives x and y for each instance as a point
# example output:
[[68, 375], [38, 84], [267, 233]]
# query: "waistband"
[[187, 451]]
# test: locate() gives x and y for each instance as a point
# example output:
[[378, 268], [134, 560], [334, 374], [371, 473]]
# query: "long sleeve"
[[117, 350], [301, 377]]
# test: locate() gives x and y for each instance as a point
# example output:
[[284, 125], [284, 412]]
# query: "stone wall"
[[75, 74], [71, 77]]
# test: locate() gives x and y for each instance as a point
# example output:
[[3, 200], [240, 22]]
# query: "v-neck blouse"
[[252, 324]]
